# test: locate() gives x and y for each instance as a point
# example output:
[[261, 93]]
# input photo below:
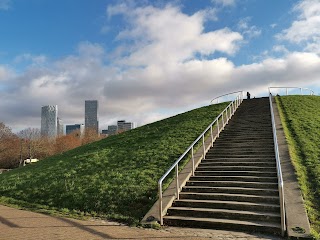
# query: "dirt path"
[[19, 224]]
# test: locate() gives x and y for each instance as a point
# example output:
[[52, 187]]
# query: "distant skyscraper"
[[49, 121], [75, 127], [59, 127], [112, 129], [125, 126], [91, 115]]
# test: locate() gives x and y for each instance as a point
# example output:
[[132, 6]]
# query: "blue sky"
[[145, 60]]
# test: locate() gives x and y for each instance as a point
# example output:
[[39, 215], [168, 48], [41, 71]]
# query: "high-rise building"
[[49, 121], [112, 129], [121, 124], [59, 127], [91, 115], [75, 127], [125, 126]]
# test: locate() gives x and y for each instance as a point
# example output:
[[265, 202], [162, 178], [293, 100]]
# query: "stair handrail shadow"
[[279, 171], [311, 92], [222, 118]]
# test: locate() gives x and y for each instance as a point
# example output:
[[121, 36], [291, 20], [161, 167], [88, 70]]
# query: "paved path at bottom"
[[19, 224]]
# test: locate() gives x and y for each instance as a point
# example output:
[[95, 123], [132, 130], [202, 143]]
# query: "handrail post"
[[211, 136], [233, 108], [204, 147], [222, 121], [218, 127], [177, 181], [160, 203], [287, 91], [192, 161]]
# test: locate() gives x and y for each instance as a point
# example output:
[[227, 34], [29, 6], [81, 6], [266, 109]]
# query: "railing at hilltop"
[[311, 92], [279, 171], [223, 119], [225, 95]]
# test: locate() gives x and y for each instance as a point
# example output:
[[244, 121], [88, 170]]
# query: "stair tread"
[[237, 182], [237, 172], [235, 176], [227, 211], [218, 220], [228, 194], [232, 188], [229, 202], [250, 162]]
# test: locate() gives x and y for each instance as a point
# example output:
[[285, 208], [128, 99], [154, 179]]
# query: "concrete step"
[[251, 145], [246, 134], [232, 190], [236, 173], [249, 128], [240, 151], [230, 197], [231, 205], [235, 178], [224, 214], [233, 156], [260, 185], [242, 140], [212, 159], [241, 144], [235, 168], [245, 139], [213, 223], [227, 163], [249, 158]]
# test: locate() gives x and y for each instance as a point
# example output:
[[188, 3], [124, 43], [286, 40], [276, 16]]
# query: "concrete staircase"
[[235, 187]]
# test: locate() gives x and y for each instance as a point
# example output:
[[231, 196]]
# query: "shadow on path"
[[8, 223]]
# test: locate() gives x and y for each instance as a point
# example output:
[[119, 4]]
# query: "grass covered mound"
[[301, 118], [115, 177]]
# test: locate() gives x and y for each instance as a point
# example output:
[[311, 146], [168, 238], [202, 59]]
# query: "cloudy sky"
[[145, 60]]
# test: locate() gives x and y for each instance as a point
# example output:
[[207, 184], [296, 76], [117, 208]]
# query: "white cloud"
[[273, 25], [224, 2], [248, 30], [306, 29], [5, 4], [280, 49], [5, 73], [33, 59], [210, 14], [167, 35]]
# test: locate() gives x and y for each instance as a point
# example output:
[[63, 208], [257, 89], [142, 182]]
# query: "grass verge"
[[300, 116], [115, 178]]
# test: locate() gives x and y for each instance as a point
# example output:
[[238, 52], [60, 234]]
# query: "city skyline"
[[148, 60]]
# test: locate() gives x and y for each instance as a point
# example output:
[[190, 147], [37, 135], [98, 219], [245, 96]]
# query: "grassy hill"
[[301, 118], [115, 177]]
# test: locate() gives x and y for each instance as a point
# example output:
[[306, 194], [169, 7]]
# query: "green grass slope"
[[115, 177], [301, 118]]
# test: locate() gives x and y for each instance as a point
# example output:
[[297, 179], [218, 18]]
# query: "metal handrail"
[[225, 116], [224, 96], [279, 171], [311, 91]]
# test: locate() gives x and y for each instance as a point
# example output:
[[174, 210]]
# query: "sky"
[[146, 60]]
